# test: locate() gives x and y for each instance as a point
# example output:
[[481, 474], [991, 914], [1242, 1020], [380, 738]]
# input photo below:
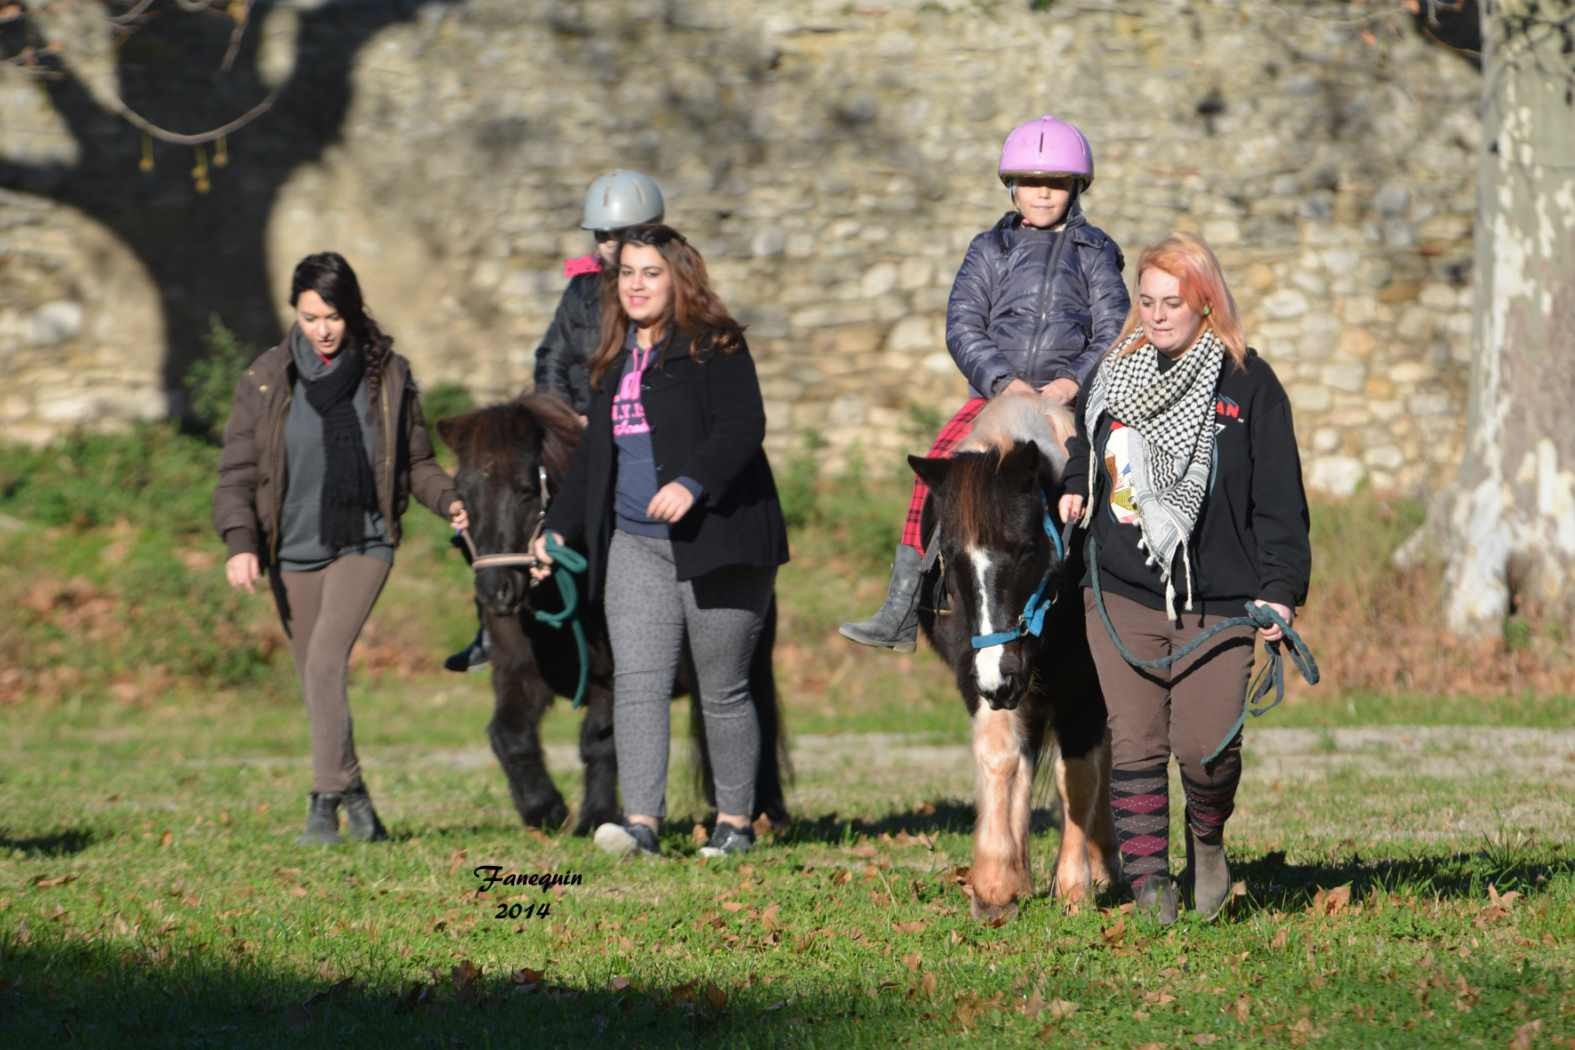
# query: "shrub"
[[210, 381]]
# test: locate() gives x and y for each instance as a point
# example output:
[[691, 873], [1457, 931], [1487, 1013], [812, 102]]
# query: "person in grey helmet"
[[614, 201]]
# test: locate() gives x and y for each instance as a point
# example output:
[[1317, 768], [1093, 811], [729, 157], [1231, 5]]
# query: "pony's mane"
[[1014, 418], [1006, 423], [560, 429], [492, 436]]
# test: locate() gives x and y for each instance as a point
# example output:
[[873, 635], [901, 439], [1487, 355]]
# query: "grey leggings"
[[648, 614], [323, 612]]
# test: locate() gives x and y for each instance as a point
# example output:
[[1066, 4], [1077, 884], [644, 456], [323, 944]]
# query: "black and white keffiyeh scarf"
[[1171, 415]]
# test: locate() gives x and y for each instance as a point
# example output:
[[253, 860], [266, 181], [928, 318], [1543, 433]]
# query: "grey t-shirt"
[[301, 548]]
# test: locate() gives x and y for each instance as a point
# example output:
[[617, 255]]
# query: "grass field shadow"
[[100, 996], [57, 844], [1274, 884], [948, 815]]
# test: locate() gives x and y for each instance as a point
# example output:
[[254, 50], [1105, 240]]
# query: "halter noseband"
[[1032, 619], [512, 560]]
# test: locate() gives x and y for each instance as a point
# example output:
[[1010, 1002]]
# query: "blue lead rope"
[[1032, 620], [1270, 677], [565, 563]]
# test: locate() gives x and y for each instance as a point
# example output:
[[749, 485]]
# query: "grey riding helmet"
[[622, 198]]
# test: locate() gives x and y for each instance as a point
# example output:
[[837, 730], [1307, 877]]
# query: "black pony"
[[999, 565], [504, 453]]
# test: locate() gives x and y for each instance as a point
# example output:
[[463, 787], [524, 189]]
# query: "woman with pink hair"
[[1185, 472]]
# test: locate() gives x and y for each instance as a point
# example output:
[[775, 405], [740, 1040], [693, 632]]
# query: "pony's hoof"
[[993, 914], [550, 816]]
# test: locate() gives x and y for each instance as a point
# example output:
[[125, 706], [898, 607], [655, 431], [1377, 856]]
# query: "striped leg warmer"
[[1140, 799], [1211, 797]]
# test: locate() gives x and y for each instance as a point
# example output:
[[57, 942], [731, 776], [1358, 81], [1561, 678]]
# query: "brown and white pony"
[[991, 511]]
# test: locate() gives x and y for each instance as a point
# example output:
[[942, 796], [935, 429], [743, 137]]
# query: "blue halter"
[[1032, 620]]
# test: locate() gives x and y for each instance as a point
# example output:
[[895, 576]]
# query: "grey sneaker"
[[624, 839], [727, 839]]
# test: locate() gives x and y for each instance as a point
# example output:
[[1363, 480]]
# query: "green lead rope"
[[1270, 677], [565, 563]]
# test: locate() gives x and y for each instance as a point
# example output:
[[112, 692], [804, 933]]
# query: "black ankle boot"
[[361, 821], [474, 655], [322, 821], [896, 625]]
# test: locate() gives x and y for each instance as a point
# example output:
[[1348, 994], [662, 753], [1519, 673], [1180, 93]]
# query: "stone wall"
[[832, 160]]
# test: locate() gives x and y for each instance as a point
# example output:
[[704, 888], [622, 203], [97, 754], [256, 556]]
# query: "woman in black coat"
[[672, 499]]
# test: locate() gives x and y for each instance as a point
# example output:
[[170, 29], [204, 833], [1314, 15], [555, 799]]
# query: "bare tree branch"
[[235, 37], [177, 138]]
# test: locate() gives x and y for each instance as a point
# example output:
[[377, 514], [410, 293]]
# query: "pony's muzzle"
[[501, 590], [1002, 676]]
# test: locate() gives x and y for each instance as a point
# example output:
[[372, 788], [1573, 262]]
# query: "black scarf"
[[349, 489]]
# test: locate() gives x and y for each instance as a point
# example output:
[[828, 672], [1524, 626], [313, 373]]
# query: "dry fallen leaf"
[[1331, 902], [455, 859], [166, 839], [45, 882], [619, 983], [912, 961], [1525, 1036], [1061, 1009]]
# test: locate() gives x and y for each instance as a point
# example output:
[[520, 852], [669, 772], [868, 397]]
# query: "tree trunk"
[[1510, 517]]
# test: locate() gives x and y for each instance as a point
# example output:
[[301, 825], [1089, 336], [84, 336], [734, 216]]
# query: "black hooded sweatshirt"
[[1250, 540]]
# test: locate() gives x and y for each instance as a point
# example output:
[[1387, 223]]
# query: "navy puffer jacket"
[[1009, 317]]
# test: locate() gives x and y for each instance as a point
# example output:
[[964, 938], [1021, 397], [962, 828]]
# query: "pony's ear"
[[933, 471], [1021, 464]]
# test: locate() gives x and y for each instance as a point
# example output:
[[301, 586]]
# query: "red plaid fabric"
[[952, 434]]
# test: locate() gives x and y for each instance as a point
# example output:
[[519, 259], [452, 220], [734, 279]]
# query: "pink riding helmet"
[[1047, 146]]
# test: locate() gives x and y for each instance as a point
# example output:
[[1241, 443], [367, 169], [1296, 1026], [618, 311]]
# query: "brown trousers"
[[1184, 711], [323, 612]]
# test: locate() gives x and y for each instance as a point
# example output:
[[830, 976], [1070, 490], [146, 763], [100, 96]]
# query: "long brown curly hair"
[[695, 310]]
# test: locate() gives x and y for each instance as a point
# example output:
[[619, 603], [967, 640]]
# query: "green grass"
[[153, 768], [151, 895]]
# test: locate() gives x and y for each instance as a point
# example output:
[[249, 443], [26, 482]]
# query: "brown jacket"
[[250, 493]]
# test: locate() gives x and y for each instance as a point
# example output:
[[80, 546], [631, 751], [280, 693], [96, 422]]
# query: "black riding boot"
[[322, 821], [361, 821], [896, 625], [474, 655]]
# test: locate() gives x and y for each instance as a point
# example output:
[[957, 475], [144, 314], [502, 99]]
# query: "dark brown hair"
[[695, 309], [330, 276]]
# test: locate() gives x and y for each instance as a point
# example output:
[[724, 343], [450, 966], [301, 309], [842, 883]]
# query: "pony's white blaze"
[[986, 661]]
